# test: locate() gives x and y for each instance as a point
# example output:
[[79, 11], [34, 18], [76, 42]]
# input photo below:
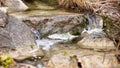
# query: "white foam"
[[65, 36], [46, 43], [93, 30]]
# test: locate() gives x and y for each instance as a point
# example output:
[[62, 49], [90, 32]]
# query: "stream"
[[48, 36], [54, 43]]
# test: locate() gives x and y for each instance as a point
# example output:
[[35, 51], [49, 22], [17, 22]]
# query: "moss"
[[73, 57], [83, 23], [5, 60], [108, 24], [65, 54], [31, 46], [77, 31]]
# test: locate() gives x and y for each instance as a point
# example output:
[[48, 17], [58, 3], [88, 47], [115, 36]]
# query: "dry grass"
[[110, 8]]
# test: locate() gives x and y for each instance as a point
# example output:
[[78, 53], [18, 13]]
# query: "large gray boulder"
[[16, 39], [20, 33], [5, 39], [4, 35]]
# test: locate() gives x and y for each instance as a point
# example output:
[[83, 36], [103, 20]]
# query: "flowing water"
[[94, 24], [56, 42], [44, 43]]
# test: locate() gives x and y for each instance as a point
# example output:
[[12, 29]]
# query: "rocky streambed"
[[54, 38]]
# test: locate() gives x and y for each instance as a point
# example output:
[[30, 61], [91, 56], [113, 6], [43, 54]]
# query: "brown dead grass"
[[110, 8]]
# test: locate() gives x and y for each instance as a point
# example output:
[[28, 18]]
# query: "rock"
[[5, 39], [20, 32], [17, 40], [59, 61], [95, 37], [22, 36], [82, 59], [97, 41], [55, 23], [49, 22], [23, 65], [3, 18], [16, 5]]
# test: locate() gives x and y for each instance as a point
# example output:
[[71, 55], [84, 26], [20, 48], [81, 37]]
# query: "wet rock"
[[82, 59], [17, 40], [56, 23], [15, 5]]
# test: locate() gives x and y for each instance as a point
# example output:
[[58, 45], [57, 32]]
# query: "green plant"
[[5, 60]]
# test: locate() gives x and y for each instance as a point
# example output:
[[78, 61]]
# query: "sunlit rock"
[[60, 61], [97, 42], [82, 59], [16, 5]]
